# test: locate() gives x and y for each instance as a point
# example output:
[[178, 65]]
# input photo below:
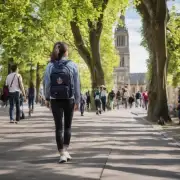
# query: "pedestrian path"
[[171, 129], [112, 146]]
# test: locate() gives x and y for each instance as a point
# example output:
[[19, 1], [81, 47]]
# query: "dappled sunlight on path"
[[111, 146]]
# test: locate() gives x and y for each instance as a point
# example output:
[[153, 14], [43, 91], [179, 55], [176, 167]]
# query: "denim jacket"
[[47, 80]]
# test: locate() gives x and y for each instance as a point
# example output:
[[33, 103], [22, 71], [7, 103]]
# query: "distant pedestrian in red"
[[145, 99]]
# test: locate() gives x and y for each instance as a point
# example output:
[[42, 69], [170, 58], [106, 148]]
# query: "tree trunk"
[[38, 81], [152, 91], [97, 74], [91, 58], [159, 32], [154, 15]]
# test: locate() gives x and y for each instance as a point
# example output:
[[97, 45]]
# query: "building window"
[[122, 62], [120, 41]]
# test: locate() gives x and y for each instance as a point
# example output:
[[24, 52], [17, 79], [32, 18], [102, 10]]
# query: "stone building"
[[122, 75]]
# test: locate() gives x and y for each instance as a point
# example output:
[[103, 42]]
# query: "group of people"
[[61, 91], [104, 100], [13, 92]]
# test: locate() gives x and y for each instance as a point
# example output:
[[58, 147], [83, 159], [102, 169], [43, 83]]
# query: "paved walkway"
[[171, 129], [113, 146]]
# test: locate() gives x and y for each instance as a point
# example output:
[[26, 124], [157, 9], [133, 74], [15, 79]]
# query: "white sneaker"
[[69, 158], [63, 158]]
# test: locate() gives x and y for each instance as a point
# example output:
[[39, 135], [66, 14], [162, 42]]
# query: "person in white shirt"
[[15, 86], [103, 97]]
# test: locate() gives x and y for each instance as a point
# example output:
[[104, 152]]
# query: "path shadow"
[[133, 143]]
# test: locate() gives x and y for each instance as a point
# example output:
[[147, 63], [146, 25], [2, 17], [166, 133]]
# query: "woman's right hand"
[[47, 104], [75, 107]]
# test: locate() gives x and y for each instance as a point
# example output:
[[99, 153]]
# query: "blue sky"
[[138, 54]]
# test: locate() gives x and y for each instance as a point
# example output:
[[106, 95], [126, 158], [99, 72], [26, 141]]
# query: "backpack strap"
[[12, 81]]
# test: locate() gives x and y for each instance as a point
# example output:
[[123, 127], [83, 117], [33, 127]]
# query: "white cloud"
[[176, 4], [138, 54]]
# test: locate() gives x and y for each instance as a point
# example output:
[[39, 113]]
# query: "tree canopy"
[[173, 47], [30, 28], [173, 44]]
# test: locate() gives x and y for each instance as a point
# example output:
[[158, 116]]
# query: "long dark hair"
[[62, 49]]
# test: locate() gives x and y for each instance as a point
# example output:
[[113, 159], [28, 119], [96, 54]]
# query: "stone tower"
[[122, 72]]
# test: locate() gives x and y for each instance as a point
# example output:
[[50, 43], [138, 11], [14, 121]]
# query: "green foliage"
[[173, 42], [29, 28], [109, 56], [173, 47]]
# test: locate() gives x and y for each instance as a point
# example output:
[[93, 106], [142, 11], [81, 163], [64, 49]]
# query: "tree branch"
[[148, 4], [82, 49], [101, 17], [99, 24], [143, 10]]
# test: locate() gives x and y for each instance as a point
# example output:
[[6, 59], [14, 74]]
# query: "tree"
[[155, 17], [173, 44], [87, 29], [90, 47], [92, 57], [39, 24]]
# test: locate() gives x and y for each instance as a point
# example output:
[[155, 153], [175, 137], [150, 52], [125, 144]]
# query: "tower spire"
[[122, 25], [122, 18]]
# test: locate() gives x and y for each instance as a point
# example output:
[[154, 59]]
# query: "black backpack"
[[62, 83]]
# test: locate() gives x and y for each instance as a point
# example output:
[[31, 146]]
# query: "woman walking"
[[31, 96], [97, 98], [62, 88], [88, 100], [103, 97], [82, 104]]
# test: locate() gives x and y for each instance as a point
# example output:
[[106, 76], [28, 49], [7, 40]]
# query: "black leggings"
[[60, 107]]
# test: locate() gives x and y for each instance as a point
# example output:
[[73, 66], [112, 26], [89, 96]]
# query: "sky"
[[138, 54]]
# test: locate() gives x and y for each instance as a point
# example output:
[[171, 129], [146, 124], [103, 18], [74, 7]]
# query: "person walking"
[[62, 91], [131, 101], [88, 100], [103, 97], [125, 96], [145, 99], [4, 96], [31, 96], [97, 98], [111, 97], [15, 87], [118, 99], [82, 104], [138, 97]]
